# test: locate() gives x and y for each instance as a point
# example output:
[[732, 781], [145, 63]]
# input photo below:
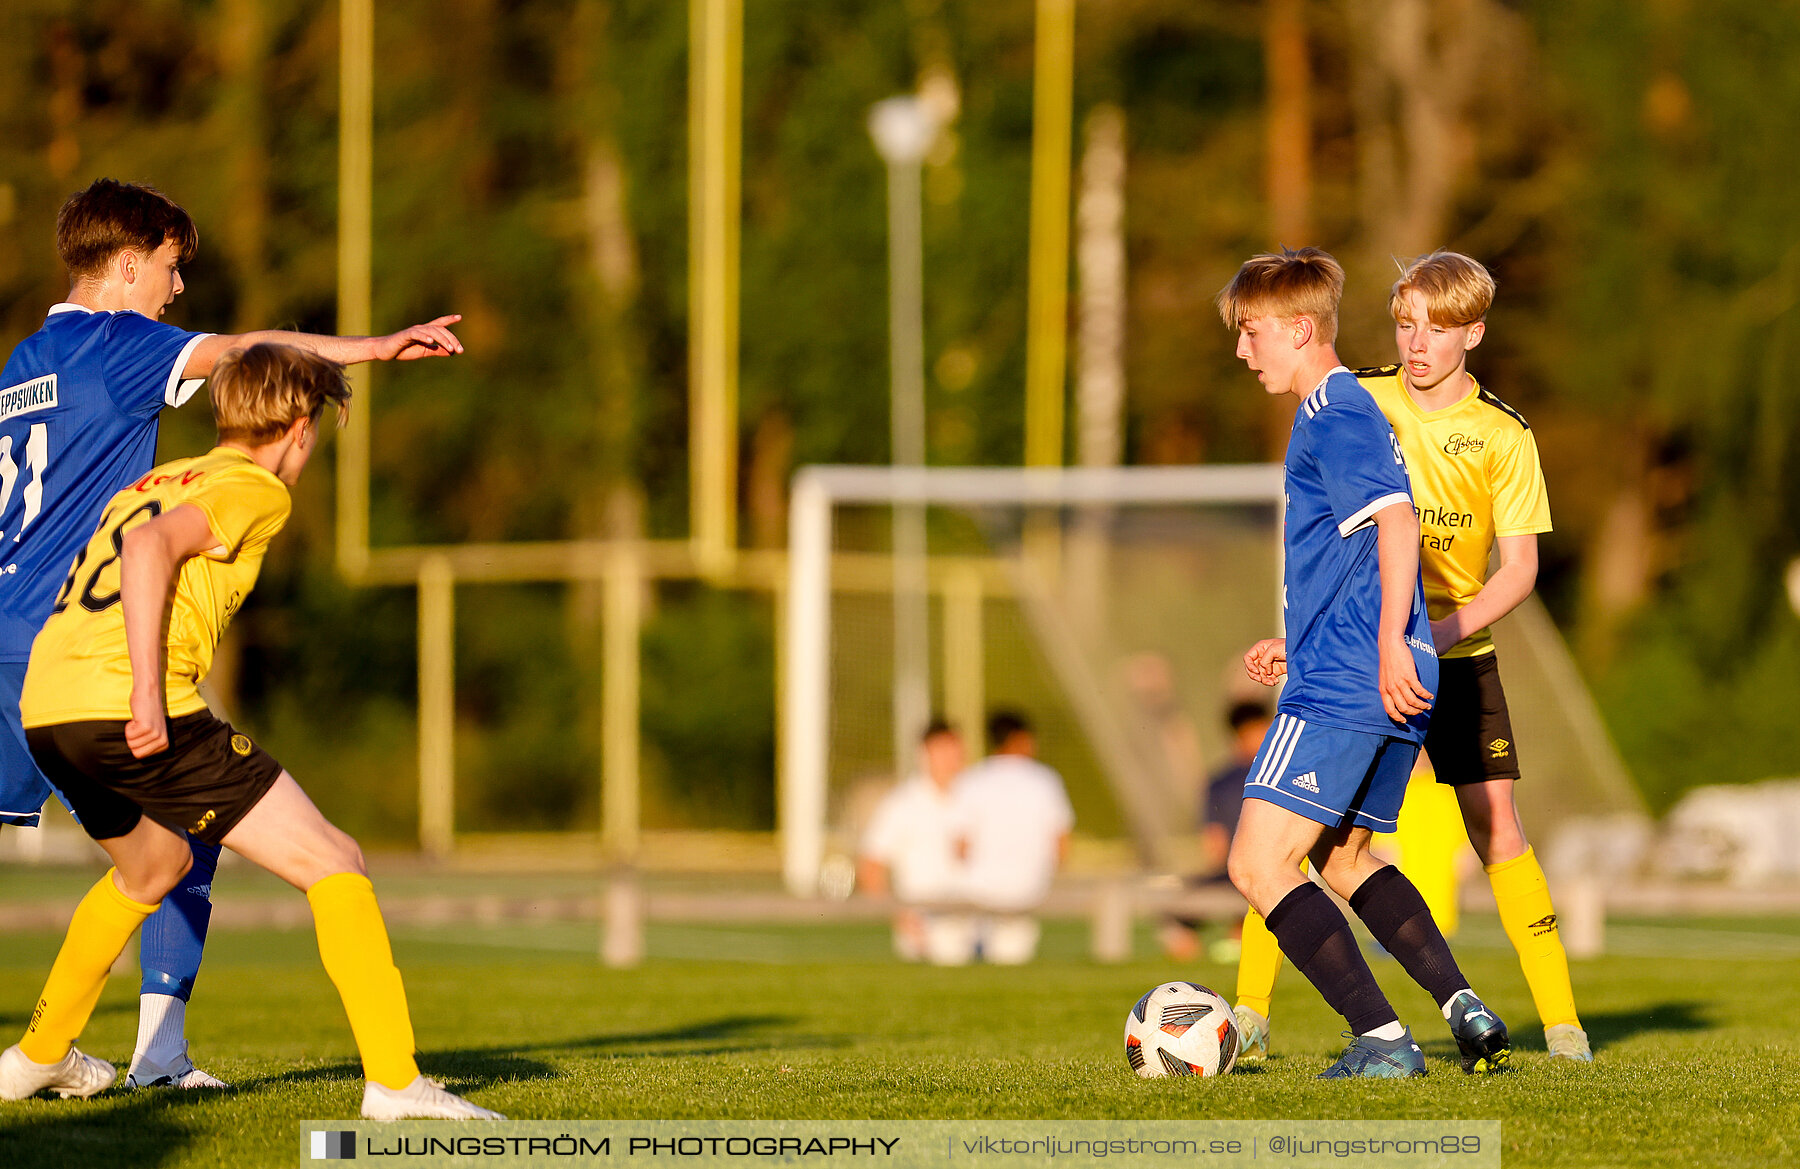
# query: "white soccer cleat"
[[423, 1099], [1253, 1034], [1567, 1041], [74, 1074], [178, 1073]]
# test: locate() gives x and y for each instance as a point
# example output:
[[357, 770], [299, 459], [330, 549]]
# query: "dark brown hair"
[[110, 217]]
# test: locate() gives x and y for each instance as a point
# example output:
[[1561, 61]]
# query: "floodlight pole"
[[903, 129], [356, 151], [715, 97], [1047, 294]]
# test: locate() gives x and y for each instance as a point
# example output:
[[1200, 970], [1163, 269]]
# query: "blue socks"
[[173, 937]]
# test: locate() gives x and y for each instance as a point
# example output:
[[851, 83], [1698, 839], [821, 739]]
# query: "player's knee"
[[349, 854], [1244, 872], [155, 876]]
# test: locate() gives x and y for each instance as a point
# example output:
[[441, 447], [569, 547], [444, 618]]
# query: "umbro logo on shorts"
[[1309, 782], [1498, 747], [1542, 926]]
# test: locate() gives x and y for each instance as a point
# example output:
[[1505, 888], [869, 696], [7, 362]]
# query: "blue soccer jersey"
[[79, 400], [78, 405], [1343, 465]]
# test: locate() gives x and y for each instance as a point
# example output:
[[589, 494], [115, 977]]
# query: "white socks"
[[162, 1030], [1389, 1031]]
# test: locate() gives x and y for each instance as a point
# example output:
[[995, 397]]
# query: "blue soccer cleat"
[[1480, 1035], [1381, 1059]]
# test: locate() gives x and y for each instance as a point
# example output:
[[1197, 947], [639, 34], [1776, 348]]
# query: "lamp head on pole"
[[903, 129]]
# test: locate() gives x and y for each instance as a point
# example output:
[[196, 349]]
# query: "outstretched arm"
[[151, 555], [1397, 546], [432, 339], [1511, 583]]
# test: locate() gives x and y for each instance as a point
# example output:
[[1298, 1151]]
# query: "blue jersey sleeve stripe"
[[1366, 516], [176, 392]]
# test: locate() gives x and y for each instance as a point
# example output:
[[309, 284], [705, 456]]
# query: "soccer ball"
[[1181, 1029]]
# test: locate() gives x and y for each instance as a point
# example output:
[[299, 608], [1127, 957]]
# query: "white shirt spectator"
[[913, 834], [1013, 813]]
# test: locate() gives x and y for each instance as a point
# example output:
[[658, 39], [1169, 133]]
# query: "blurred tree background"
[[1619, 164]]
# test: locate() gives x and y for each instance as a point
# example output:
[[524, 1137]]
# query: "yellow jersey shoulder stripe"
[[1488, 396]]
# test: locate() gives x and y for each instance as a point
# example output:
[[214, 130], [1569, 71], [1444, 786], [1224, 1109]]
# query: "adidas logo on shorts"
[[1308, 782]]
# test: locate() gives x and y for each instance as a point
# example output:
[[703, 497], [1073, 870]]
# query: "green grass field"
[[1698, 1056]]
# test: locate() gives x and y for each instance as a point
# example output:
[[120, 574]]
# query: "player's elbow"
[[1522, 564], [1398, 516]]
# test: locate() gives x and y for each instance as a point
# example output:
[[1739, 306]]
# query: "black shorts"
[[204, 783], [1470, 737]]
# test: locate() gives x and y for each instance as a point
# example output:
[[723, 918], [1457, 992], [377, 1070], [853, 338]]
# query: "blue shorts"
[[1332, 775], [23, 788]]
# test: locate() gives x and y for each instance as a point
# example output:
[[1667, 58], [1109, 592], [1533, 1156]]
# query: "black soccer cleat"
[[1481, 1037]]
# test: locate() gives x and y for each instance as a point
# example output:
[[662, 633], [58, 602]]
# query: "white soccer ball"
[[1181, 1029]]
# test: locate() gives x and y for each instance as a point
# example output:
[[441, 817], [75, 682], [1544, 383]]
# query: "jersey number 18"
[[90, 600]]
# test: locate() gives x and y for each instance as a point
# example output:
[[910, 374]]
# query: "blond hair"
[[257, 393], [1292, 283], [1457, 290]]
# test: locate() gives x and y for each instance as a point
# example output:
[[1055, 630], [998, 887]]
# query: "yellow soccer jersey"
[[80, 668], [1475, 477]]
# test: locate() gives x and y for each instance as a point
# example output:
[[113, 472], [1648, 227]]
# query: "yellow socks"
[[1258, 965], [353, 944], [1530, 921], [103, 923]]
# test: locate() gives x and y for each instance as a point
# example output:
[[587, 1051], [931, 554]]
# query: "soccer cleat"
[[1253, 1034], [1385, 1059], [74, 1074], [1567, 1041], [177, 1073], [1480, 1035], [423, 1099]]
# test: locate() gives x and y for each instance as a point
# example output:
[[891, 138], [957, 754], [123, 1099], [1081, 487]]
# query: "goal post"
[[816, 569]]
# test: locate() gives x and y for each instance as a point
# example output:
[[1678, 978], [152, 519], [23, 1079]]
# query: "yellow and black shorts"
[[1470, 736], [206, 781]]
